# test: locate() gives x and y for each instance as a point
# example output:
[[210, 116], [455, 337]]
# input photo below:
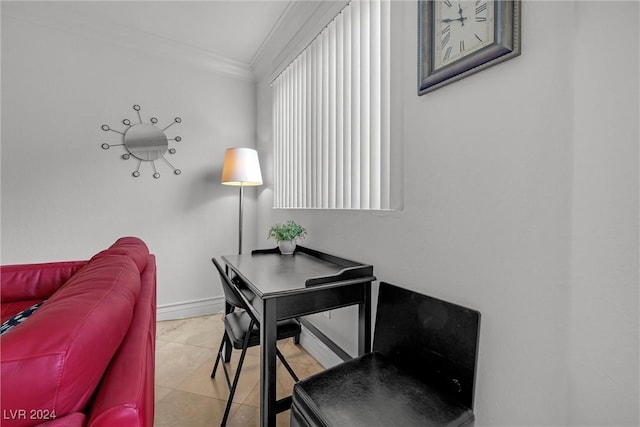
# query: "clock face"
[[461, 27]]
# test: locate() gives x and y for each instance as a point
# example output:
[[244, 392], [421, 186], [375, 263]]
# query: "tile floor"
[[186, 395]]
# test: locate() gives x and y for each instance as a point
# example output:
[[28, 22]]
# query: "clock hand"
[[462, 18], [448, 20]]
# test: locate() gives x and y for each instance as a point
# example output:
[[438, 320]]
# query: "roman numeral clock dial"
[[457, 38], [460, 28]]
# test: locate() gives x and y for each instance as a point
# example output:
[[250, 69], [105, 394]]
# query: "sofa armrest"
[[35, 281], [126, 395]]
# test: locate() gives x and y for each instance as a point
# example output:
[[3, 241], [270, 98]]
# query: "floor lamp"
[[241, 168]]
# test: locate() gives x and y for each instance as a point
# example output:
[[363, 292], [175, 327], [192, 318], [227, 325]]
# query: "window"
[[331, 116]]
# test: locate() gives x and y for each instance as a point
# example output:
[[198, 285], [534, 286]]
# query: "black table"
[[288, 286]]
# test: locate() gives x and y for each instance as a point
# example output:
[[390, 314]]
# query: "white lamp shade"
[[241, 167]]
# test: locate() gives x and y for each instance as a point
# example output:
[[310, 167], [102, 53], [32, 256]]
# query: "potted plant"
[[287, 234]]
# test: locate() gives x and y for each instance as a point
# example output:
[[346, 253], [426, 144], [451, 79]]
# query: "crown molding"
[[283, 16], [94, 28], [299, 24]]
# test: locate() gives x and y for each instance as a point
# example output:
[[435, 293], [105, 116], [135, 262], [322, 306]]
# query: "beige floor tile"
[[245, 416], [167, 326], [203, 331], [161, 393], [175, 361], [186, 395], [182, 409], [200, 380], [284, 381], [297, 354]]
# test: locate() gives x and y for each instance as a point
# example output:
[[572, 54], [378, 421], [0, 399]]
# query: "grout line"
[[300, 357]]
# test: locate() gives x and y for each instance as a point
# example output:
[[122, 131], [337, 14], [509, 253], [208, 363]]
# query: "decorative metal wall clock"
[[457, 38], [145, 142]]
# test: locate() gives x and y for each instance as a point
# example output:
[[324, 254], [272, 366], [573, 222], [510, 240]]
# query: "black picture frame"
[[506, 46]]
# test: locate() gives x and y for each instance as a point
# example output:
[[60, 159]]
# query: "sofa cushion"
[[35, 281], [132, 247], [68, 343], [10, 309], [18, 318]]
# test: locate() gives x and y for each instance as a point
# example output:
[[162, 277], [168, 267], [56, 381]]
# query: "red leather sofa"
[[86, 356]]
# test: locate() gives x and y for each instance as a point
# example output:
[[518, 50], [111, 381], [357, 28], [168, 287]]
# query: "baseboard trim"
[[186, 309], [316, 348], [183, 310]]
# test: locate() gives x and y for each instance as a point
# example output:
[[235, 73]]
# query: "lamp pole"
[[240, 219]]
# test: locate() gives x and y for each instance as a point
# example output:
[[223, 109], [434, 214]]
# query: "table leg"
[[268, 364], [364, 322]]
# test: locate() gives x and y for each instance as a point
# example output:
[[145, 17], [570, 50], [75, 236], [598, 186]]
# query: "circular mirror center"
[[146, 142]]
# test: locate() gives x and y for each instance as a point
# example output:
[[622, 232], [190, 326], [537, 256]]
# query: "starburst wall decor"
[[145, 142]]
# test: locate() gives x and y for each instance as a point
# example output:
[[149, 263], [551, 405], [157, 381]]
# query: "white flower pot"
[[287, 247]]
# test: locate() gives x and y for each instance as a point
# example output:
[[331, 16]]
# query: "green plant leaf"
[[287, 231]]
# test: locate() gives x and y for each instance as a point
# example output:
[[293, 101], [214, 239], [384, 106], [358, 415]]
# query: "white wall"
[[498, 196], [604, 286], [63, 197], [528, 211]]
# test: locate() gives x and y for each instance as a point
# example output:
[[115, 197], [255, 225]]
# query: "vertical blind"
[[331, 115]]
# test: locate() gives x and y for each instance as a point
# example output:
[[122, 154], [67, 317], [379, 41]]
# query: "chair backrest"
[[231, 292], [434, 340]]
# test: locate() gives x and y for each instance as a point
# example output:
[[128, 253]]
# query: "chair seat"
[[368, 391], [237, 324]]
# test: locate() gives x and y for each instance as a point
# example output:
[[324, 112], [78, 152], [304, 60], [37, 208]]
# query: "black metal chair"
[[421, 371], [231, 304], [242, 330]]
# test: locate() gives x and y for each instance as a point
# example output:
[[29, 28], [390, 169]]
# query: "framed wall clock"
[[457, 38]]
